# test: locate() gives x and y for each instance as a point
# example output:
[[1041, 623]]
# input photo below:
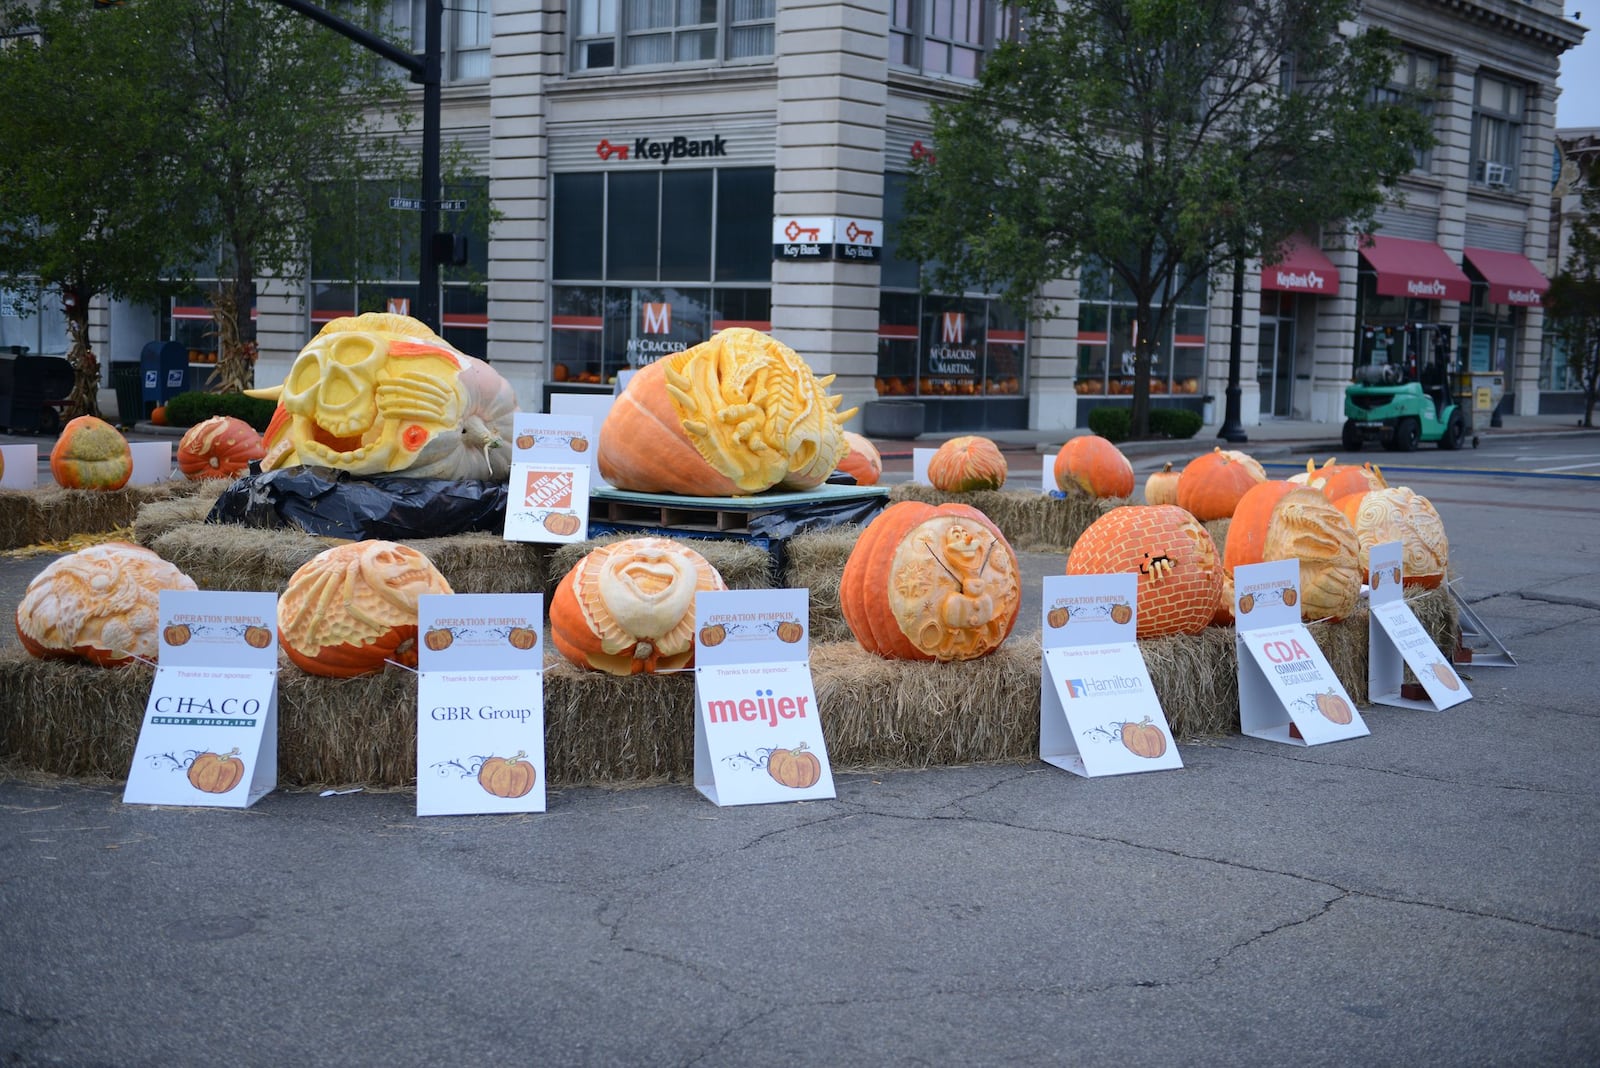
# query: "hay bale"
[[1218, 529], [603, 728], [341, 732], [28, 517], [155, 518], [1031, 522], [71, 718], [814, 562]]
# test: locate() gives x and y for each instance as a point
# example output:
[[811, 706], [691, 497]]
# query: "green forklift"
[[1404, 393]]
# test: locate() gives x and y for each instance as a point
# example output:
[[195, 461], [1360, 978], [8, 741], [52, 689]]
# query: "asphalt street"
[[1425, 895]]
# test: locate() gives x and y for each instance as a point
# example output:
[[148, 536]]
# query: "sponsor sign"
[[21, 466], [853, 240], [663, 151], [538, 438], [1396, 640], [152, 462], [548, 503]]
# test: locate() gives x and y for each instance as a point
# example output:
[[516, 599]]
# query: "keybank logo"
[[1308, 280], [1434, 288], [680, 147]]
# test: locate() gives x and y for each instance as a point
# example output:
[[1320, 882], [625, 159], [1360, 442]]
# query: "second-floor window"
[[1497, 107], [1415, 81], [608, 34], [466, 34], [947, 38]]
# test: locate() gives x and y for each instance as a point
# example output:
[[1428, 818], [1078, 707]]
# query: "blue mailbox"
[[164, 369]]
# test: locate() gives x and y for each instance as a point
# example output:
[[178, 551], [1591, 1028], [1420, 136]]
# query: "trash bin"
[[164, 369], [130, 402], [32, 388]]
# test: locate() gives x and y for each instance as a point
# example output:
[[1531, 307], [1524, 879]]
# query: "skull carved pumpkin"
[[382, 394], [101, 603]]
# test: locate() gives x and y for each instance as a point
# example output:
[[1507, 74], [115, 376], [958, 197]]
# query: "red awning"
[[1303, 269], [1512, 277], [1409, 268]]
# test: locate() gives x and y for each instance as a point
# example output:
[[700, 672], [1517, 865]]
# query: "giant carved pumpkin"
[[1344, 479], [929, 582], [1089, 466], [1396, 513], [1180, 576], [735, 415], [628, 607], [967, 463], [219, 447], [354, 606], [101, 603], [1283, 521], [861, 460], [1211, 485], [382, 394], [91, 454]]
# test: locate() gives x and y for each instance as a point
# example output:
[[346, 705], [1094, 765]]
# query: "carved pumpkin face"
[[1398, 514], [628, 607], [381, 394], [1284, 521], [352, 607], [101, 603], [1180, 575], [926, 583]]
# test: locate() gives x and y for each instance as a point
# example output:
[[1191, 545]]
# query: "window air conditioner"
[[1496, 175]]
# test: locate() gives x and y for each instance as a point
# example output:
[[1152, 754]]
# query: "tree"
[[1572, 307], [87, 177], [1164, 138]]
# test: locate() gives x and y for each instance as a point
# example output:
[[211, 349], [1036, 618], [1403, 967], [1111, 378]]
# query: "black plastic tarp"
[[323, 501]]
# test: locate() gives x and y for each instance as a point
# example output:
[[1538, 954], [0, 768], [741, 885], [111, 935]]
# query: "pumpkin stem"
[[231, 753]]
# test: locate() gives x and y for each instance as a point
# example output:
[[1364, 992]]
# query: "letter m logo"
[[657, 318], [953, 328]]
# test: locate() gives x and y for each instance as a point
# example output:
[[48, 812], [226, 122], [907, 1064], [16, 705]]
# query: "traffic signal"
[[450, 250]]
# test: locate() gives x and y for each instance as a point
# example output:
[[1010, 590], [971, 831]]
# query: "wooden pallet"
[[711, 515]]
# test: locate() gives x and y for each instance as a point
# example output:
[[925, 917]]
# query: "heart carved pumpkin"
[[1398, 514], [353, 607], [967, 463], [101, 603], [628, 607], [930, 583], [1180, 576], [1283, 521], [91, 454], [219, 447], [1089, 466], [862, 461], [1210, 485]]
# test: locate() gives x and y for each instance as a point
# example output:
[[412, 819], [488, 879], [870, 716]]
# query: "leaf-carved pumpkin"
[[508, 777], [735, 415], [1180, 575], [350, 608], [862, 461], [101, 603], [1211, 485], [1396, 513], [927, 582], [967, 463], [628, 607], [1279, 520], [381, 394], [91, 454], [1089, 466], [219, 447]]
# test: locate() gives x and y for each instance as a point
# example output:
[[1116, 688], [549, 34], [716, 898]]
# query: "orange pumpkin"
[[1395, 513], [796, 768], [967, 463], [508, 777], [1180, 576], [929, 582], [1282, 521], [1162, 486], [91, 454], [214, 774], [219, 447], [862, 462], [1089, 466], [1346, 479], [101, 603], [1314, 476], [158, 415], [351, 608], [628, 607], [1211, 485]]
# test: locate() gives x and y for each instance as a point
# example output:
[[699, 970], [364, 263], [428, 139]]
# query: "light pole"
[[1232, 429], [424, 70]]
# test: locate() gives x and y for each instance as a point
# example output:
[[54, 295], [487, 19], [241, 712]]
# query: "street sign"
[[452, 205], [406, 203]]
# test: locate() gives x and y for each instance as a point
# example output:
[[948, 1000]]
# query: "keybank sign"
[[664, 152]]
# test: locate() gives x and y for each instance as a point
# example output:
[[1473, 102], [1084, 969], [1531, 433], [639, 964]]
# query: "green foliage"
[[1114, 422], [1110, 421], [187, 409], [1174, 422], [1572, 307]]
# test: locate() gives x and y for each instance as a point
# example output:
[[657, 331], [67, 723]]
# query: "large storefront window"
[[1107, 336], [1555, 373], [1488, 333], [607, 34], [37, 325], [653, 262]]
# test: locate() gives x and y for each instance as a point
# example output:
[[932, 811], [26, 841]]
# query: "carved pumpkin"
[[508, 777], [1282, 521], [1162, 486], [1211, 485], [967, 463], [1089, 466], [1180, 576], [1313, 476], [862, 461], [219, 447], [1346, 479], [91, 454], [1144, 739], [735, 415], [930, 583], [628, 607], [214, 774], [796, 768], [354, 606], [382, 394], [1398, 514], [101, 603]]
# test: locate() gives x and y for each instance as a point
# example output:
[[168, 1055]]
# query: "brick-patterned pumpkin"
[[967, 463], [735, 415], [862, 462], [101, 603], [1089, 466], [628, 607], [219, 447], [1180, 575], [1211, 485], [1396, 513], [1283, 521], [928, 582], [91, 454], [350, 608]]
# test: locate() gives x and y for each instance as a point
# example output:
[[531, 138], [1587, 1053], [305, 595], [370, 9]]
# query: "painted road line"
[[1500, 472], [1542, 459], [1567, 467]]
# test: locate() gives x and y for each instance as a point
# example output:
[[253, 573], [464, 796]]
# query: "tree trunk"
[[1143, 325], [85, 396], [236, 348]]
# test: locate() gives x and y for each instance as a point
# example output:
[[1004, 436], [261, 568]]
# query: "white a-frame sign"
[[757, 736], [210, 731], [1287, 689], [1396, 640], [1098, 712]]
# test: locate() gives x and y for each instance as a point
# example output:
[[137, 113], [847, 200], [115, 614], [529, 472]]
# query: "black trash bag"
[[320, 500], [787, 522]]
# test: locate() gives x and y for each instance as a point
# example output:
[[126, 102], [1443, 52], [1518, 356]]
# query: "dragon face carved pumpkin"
[[382, 394], [101, 603]]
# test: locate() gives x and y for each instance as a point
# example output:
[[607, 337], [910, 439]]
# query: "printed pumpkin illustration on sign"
[[1284, 521], [508, 777], [219, 447], [353, 607], [91, 454], [1144, 739], [382, 394], [735, 415], [1180, 575], [930, 583], [101, 603], [797, 768], [628, 607], [214, 774]]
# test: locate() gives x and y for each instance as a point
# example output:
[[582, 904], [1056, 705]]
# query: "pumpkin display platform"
[[52, 514], [762, 515]]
